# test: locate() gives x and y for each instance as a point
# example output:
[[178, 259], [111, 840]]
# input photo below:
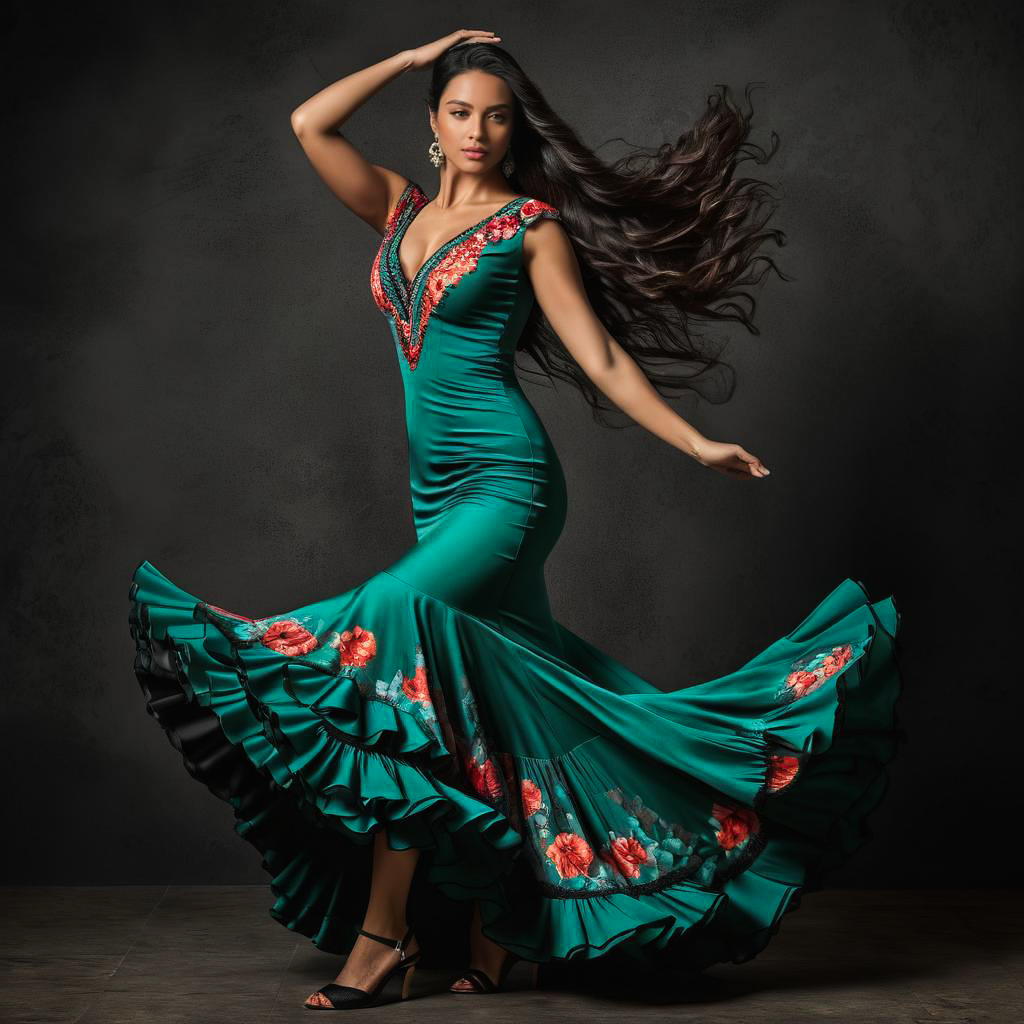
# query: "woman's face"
[[475, 112]]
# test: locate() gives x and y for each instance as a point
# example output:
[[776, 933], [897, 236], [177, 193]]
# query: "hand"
[[424, 56], [730, 459]]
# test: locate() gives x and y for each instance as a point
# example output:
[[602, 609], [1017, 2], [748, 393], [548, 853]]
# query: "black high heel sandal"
[[348, 997], [481, 982]]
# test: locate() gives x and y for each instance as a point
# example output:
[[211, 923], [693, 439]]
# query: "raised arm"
[[368, 190], [551, 263]]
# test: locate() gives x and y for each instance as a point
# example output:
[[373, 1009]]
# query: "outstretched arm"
[[554, 272]]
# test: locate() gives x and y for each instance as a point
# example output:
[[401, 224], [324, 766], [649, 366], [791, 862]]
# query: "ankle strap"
[[398, 944]]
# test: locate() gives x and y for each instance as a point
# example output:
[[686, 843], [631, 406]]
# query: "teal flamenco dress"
[[586, 810]]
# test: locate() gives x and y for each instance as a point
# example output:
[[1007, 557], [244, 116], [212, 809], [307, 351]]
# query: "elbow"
[[607, 377], [298, 122]]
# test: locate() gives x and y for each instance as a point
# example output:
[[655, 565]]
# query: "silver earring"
[[508, 165], [436, 153]]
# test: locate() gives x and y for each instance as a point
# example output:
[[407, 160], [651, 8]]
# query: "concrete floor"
[[105, 955]]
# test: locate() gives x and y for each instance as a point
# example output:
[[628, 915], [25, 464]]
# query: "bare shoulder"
[[545, 236]]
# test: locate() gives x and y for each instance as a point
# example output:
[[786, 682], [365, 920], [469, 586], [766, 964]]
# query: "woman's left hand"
[[730, 459]]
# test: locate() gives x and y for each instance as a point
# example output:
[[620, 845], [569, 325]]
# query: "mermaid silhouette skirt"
[[439, 700]]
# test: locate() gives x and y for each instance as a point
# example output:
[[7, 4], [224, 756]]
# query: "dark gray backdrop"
[[197, 375]]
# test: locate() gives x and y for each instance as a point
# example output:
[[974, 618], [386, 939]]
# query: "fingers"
[[488, 39], [473, 35], [755, 466], [742, 470]]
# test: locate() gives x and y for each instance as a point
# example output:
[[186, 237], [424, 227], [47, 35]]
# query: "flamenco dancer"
[[436, 723]]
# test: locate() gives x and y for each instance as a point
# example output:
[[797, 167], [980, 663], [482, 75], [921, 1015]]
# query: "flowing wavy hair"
[[666, 238]]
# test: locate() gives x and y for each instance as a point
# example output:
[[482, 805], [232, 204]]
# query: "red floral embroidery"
[[532, 800], [782, 769], [571, 854], [801, 682], [417, 199], [460, 260], [415, 687], [534, 206], [484, 778], [738, 824], [837, 659], [356, 645], [288, 637], [626, 854]]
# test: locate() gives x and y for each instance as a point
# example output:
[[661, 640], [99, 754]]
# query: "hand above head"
[[730, 459], [424, 56]]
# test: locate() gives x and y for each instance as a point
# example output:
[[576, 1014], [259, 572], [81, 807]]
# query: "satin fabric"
[[440, 699]]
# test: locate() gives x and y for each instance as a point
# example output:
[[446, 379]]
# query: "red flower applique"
[[839, 657], [461, 259], [801, 682], [356, 646], [484, 778], [532, 799], [626, 854], [571, 854], [534, 206], [782, 769], [738, 824], [288, 637], [415, 687], [456, 263]]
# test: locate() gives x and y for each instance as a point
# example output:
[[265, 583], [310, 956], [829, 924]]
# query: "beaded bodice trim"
[[410, 303]]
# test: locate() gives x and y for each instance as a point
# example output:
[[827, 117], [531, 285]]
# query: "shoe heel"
[[407, 981]]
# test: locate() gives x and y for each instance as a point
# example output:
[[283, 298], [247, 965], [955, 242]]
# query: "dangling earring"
[[436, 153], [508, 164]]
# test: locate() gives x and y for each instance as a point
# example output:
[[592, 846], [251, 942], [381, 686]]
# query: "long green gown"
[[587, 810]]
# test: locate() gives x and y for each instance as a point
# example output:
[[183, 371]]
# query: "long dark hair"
[[665, 238]]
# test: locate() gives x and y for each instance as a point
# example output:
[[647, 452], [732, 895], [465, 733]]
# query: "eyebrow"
[[493, 106]]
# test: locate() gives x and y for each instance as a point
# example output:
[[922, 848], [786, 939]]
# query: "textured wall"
[[197, 375]]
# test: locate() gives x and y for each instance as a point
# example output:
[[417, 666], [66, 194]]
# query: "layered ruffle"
[[796, 744], [312, 763], [679, 824]]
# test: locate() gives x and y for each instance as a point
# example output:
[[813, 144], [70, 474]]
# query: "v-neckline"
[[410, 284]]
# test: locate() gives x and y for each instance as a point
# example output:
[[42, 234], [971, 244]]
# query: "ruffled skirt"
[[586, 810]]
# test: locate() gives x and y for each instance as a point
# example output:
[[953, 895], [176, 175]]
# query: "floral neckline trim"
[[483, 222], [410, 303]]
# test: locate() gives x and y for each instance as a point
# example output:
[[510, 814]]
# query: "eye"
[[501, 117]]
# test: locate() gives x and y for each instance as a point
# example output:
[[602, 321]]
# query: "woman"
[[436, 720]]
